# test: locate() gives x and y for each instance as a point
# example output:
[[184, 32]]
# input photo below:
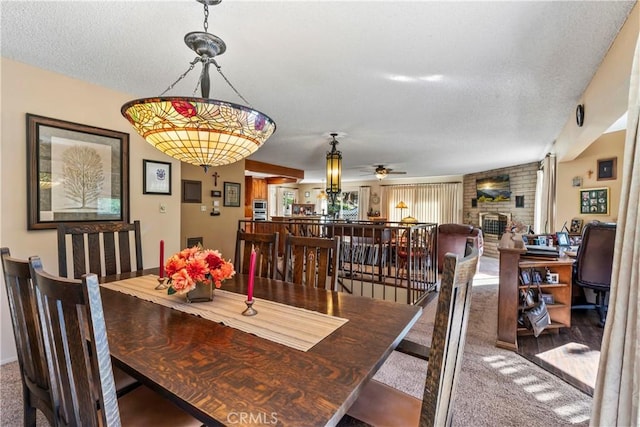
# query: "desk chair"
[[594, 263], [381, 405], [103, 258], [36, 393], [266, 245], [312, 261], [73, 330]]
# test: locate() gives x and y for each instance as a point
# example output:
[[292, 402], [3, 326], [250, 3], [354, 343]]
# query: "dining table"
[[223, 375]]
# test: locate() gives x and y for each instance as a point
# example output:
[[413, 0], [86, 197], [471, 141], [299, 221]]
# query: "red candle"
[[161, 259], [252, 274]]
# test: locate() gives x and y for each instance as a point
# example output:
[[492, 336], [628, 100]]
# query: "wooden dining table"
[[224, 376]]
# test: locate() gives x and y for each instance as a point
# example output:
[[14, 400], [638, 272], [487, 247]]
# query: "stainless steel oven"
[[259, 210]]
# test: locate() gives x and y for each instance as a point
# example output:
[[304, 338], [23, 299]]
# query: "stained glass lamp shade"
[[199, 131]]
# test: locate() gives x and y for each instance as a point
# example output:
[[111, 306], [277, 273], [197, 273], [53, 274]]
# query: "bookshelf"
[[512, 262]]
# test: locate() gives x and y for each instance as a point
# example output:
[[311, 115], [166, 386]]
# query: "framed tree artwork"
[[75, 173]]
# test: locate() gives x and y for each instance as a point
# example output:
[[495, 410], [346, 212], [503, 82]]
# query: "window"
[[346, 205]]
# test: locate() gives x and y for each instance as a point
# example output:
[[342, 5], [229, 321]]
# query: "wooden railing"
[[391, 260]]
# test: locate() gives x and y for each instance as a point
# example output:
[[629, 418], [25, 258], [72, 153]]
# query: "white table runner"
[[291, 326]]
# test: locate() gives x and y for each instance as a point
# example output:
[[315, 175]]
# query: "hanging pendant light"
[[200, 131], [334, 171]]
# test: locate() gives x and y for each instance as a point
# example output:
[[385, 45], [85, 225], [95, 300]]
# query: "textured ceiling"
[[430, 88]]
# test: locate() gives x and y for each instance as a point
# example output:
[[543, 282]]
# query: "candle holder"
[[161, 284], [250, 311]]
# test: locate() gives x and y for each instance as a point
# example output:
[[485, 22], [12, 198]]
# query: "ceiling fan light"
[[381, 175]]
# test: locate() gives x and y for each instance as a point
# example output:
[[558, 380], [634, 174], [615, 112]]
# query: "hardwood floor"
[[571, 354]]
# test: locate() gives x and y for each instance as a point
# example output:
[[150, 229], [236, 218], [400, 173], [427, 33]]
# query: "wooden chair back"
[[100, 254], [312, 261], [23, 309], [448, 339], [73, 328], [266, 246], [381, 405]]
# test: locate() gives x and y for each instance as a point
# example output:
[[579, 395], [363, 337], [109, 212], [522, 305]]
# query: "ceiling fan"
[[381, 172]]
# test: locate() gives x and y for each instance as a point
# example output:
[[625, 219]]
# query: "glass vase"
[[202, 293]]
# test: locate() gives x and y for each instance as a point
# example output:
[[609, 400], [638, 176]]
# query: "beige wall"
[[218, 232], [606, 98], [27, 89], [568, 197]]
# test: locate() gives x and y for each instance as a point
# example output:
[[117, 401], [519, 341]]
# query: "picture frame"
[[191, 191], [563, 239], [216, 193], [54, 195], [607, 169], [576, 225], [231, 194], [554, 278], [548, 299], [594, 201], [156, 177]]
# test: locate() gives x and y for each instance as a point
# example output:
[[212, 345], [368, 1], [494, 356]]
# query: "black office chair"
[[594, 263]]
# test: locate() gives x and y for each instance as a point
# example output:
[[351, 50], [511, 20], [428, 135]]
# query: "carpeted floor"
[[497, 387]]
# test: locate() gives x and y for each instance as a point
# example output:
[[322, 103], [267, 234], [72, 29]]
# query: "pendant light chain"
[[206, 17], [182, 76], [219, 68]]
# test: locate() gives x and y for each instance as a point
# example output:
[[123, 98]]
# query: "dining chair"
[[79, 363], [312, 261], [266, 246], [101, 253], [381, 405], [36, 393]]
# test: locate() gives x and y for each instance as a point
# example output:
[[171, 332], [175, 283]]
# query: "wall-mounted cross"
[[215, 178]]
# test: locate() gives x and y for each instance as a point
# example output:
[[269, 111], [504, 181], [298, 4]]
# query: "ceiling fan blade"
[[395, 173]]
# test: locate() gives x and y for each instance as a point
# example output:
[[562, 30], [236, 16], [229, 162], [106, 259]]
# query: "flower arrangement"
[[196, 265]]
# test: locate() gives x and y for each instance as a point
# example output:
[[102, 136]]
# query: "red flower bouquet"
[[196, 265]]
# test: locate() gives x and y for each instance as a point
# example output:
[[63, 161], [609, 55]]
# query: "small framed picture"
[[563, 239], [607, 169], [231, 194], [191, 191], [216, 193], [548, 299], [554, 278], [576, 225], [156, 178], [594, 201]]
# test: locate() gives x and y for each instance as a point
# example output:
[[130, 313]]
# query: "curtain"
[[537, 215], [617, 392], [548, 217], [439, 203], [363, 202]]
